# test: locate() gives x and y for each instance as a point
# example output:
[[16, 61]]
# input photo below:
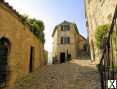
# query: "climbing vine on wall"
[[101, 32]]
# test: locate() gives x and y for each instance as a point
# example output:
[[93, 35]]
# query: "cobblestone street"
[[78, 74]]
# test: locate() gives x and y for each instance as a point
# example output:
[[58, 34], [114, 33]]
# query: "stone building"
[[83, 47], [97, 12], [65, 42], [20, 51]]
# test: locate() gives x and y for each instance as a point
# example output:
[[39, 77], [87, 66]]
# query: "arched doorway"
[[4, 51]]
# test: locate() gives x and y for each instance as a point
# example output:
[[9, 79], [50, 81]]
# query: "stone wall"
[[98, 12], [82, 41], [21, 39]]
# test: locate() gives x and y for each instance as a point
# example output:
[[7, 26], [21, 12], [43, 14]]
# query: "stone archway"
[[4, 52]]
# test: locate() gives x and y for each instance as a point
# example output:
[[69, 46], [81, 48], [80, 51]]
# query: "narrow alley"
[[77, 74], [57, 44]]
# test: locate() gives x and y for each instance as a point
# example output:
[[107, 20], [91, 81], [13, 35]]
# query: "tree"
[[36, 26]]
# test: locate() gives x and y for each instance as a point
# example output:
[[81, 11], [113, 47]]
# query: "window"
[[62, 28], [65, 40], [68, 40], [62, 39], [65, 28]]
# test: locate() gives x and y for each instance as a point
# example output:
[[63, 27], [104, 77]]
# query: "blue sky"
[[53, 12]]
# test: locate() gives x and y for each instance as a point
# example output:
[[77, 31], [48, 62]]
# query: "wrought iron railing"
[[108, 63]]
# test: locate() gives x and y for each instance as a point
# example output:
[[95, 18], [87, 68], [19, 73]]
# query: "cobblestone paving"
[[78, 74]]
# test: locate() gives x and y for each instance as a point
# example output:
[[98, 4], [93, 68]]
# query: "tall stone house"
[[20, 50], [97, 12], [65, 42]]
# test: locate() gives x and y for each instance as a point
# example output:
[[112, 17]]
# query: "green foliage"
[[36, 26], [24, 18], [68, 57], [114, 44], [109, 17], [101, 31]]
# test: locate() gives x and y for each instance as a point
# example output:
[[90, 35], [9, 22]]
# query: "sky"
[[53, 12]]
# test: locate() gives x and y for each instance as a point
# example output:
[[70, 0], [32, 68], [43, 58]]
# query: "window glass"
[[62, 28], [68, 40], [66, 27], [62, 40], [65, 40]]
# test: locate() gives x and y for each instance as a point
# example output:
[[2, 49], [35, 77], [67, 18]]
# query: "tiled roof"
[[63, 23]]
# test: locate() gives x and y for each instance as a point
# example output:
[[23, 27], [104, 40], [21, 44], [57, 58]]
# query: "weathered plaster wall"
[[21, 40], [98, 12]]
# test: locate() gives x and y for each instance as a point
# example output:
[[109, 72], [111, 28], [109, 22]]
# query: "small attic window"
[[62, 28], [65, 28]]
